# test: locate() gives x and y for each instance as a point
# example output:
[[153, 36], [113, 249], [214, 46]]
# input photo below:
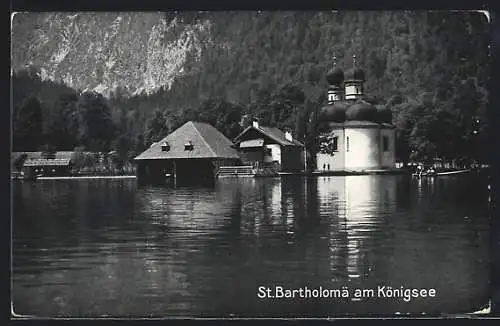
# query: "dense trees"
[[28, 125], [157, 128], [64, 123], [429, 67]]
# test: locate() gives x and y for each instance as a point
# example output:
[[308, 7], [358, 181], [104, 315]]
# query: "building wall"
[[224, 162], [337, 161], [187, 171], [388, 158], [292, 159], [251, 155], [155, 171], [364, 146], [47, 170], [275, 153]]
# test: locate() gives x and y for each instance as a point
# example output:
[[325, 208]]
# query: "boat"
[[454, 172], [425, 174], [433, 173]]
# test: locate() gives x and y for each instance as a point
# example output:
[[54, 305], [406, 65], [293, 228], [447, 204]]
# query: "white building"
[[354, 135]]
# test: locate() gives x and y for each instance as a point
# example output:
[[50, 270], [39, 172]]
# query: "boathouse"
[[45, 164], [192, 153], [264, 146], [354, 135]]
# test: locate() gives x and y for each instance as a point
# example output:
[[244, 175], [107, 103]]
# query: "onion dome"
[[333, 112], [384, 114], [335, 76], [355, 73], [362, 111]]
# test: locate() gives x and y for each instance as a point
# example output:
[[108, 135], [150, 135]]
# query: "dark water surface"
[[109, 247]]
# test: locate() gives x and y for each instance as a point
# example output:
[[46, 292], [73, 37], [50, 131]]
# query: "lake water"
[[113, 248]]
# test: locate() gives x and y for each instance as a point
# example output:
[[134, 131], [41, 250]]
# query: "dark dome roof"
[[335, 76], [333, 113], [355, 73], [362, 111], [384, 114]]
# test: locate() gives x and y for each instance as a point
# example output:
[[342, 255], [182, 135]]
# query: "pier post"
[[175, 173]]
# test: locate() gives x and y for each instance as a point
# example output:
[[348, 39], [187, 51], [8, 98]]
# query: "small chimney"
[[255, 123], [288, 135]]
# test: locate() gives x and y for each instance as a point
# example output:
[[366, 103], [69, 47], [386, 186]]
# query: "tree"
[[78, 158], [311, 137], [139, 145], [327, 144], [28, 128], [64, 126], [97, 128], [157, 128], [48, 151], [19, 161], [123, 142]]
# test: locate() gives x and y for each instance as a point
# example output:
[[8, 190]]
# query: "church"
[[353, 135]]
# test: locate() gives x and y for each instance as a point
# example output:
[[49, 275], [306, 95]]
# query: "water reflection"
[[91, 248], [355, 206]]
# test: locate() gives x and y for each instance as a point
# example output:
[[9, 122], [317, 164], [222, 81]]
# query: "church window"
[[385, 143], [335, 143]]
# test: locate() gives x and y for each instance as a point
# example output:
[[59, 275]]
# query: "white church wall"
[[364, 145]]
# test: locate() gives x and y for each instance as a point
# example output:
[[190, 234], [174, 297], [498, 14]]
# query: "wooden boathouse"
[[192, 153], [35, 164], [269, 147]]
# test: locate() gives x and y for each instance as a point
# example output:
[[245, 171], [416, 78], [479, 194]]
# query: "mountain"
[[237, 52], [104, 51]]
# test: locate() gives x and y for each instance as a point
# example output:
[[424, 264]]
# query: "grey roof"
[[388, 126], [62, 158], [272, 132], [48, 162], [39, 155], [207, 142], [364, 124], [358, 123]]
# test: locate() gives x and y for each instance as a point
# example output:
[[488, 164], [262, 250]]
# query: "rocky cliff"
[[104, 52]]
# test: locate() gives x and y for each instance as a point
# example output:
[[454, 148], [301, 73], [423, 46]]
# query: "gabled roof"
[[272, 132], [48, 162], [207, 142], [39, 155]]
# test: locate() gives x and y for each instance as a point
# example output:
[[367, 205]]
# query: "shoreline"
[[90, 177], [346, 173], [279, 174]]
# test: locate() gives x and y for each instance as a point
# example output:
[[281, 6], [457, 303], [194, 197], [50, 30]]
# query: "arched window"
[[385, 143], [335, 143]]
